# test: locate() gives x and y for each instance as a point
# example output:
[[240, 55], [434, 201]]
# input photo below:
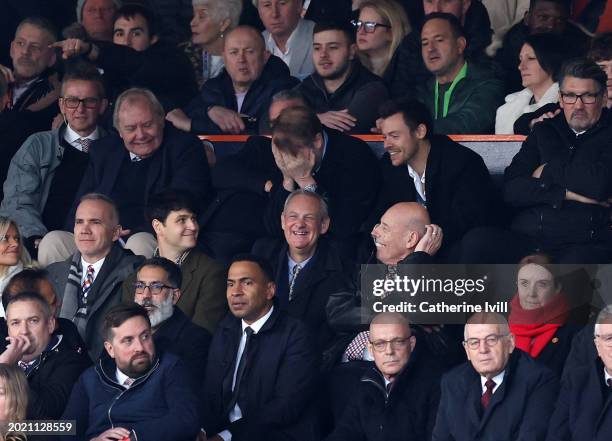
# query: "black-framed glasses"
[[368, 26], [396, 343], [155, 288], [489, 341], [586, 98], [72, 102]]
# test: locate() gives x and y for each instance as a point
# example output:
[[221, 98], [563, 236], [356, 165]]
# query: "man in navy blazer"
[[584, 409], [500, 394], [262, 370]]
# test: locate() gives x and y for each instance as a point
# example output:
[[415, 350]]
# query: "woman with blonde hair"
[[13, 400], [13, 255], [381, 27], [212, 19]]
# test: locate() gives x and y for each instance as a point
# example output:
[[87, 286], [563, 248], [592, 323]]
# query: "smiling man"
[[344, 94], [173, 216], [258, 344], [89, 282], [400, 383], [449, 179], [499, 390], [135, 391], [143, 159]]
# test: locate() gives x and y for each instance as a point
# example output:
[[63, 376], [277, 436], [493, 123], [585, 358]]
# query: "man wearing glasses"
[[398, 397], [500, 393], [45, 173], [581, 412], [157, 288]]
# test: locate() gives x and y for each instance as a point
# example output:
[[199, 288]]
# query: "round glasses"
[[368, 26]]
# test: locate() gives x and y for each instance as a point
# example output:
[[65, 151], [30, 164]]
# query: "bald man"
[[398, 397], [500, 393], [237, 99], [449, 179]]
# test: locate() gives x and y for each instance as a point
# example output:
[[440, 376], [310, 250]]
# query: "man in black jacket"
[[158, 287], [138, 58], [397, 398], [583, 408], [449, 179], [51, 366], [262, 370], [345, 95], [237, 100], [500, 393]]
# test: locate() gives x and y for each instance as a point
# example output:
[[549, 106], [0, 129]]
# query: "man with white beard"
[[157, 288]]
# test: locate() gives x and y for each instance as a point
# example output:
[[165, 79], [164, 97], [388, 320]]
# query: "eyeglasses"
[[396, 343], [155, 288], [606, 339], [586, 98], [489, 341], [72, 102], [368, 26]]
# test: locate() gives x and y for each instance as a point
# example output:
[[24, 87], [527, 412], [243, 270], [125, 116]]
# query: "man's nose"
[[275, 10]]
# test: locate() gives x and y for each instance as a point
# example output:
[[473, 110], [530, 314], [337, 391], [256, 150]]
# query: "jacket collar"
[[106, 369]]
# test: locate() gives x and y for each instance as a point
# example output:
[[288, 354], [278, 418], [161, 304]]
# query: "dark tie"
[[486, 397], [241, 369], [294, 273], [609, 382], [390, 387]]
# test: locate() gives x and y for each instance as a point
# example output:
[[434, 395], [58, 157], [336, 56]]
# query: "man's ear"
[[411, 239], [421, 131], [176, 295], [270, 290], [266, 56], [117, 232], [109, 349], [325, 225], [352, 51], [462, 43], [154, 39], [158, 226]]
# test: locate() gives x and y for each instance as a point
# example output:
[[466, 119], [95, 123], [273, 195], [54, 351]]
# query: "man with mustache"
[[559, 181], [157, 288], [134, 392]]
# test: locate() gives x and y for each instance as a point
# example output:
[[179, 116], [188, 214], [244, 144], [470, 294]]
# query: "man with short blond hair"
[[500, 389]]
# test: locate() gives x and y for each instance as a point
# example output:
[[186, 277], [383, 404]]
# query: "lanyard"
[[447, 95]]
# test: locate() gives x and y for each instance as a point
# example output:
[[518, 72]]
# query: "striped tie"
[[294, 273], [89, 279], [84, 143]]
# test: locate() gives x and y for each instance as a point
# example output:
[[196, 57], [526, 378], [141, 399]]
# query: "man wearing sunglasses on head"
[[45, 173]]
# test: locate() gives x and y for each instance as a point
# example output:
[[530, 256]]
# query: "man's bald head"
[[245, 56], [248, 32], [399, 231]]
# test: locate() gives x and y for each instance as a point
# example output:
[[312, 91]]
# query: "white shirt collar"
[[20, 89], [134, 157], [293, 263], [71, 136], [258, 324], [121, 377], [607, 376], [419, 181], [96, 265], [499, 378]]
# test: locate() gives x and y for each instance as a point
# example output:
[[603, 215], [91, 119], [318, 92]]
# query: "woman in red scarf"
[[539, 312]]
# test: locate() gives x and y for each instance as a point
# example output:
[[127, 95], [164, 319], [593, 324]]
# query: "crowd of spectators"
[[158, 284]]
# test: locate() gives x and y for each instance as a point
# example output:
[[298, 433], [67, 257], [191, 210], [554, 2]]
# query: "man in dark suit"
[[144, 159], [260, 379], [501, 393], [173, 215], [449, 179], [397, 398], [157, 288], [340, 168], [308, 267], [584, 406]]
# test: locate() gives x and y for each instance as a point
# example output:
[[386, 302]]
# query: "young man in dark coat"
[[500, 393], [583, 410], [345, 95], [262, 369], [134, 391], [397, 398], [449, 179], [51, 366]]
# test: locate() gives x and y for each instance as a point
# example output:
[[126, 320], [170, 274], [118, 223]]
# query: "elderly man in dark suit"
[[262, 370], [583, 410], [501, 393], [308, 267]]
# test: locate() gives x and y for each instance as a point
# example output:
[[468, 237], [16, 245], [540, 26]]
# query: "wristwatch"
[[311, 187]]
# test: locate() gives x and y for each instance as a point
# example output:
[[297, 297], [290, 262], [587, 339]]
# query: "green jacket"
[[473, 103]]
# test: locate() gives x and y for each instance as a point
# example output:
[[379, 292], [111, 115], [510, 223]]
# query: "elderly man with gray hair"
[[499, 393], [583, 410], [144, 158]]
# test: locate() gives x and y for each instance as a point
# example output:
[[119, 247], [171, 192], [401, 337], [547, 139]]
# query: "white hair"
[[222, 9], [604, 316]]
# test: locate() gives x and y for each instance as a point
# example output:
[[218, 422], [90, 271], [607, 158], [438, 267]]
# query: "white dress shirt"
[[96, 265], [499, 378], [419, 182], [71, 136], [298, 53]]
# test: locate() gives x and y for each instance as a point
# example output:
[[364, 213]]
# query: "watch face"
[[311, 187]]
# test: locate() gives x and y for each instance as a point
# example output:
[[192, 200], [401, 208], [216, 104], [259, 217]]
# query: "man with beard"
[[157, 288], [133, 392], [344, 94]]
